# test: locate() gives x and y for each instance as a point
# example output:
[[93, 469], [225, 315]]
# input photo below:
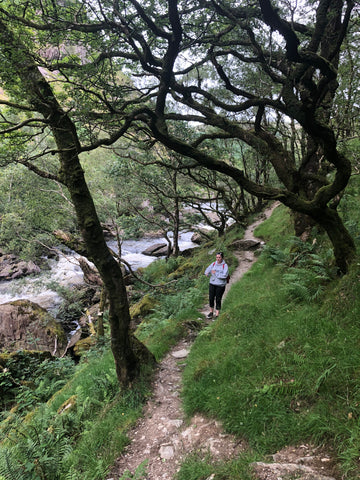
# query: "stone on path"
[[180, 353], [166, 452]]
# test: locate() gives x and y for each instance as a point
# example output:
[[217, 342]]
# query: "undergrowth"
[[77, 427], [279, 366]]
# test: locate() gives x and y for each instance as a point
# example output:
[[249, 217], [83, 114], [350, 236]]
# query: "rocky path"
[[163, 437]]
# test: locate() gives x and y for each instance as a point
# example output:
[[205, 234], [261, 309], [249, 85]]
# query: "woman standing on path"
[[218, 272]]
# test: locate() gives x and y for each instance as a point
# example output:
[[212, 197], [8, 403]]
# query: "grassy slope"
[[278, 371]]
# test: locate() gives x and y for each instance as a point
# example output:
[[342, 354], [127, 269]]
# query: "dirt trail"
[[163, 437]]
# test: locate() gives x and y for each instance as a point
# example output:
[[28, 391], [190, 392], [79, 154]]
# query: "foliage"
[[306, 268], [196, 467], [277, 372], [73, 435], [139, 474], [257, 122], [349, 200], [177, 302], [31, 381], [31, 208], [38, 456], [273, 372]]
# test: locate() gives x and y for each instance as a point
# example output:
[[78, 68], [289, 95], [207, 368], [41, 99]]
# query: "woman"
[[218, 272]]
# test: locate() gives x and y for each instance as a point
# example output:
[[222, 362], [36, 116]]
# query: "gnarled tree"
[[20, 73], [230, 70]]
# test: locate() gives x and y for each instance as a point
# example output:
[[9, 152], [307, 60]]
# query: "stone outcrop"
[[245, 244], [11, 267], [156, 250], [197, 238], [304, 462], [24, 325]]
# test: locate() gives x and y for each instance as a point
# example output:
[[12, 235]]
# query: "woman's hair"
[[220, 253]]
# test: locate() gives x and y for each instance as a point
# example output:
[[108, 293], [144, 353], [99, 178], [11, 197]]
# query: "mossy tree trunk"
[[127, 350]]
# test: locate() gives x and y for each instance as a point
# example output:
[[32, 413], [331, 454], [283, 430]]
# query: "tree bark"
[[342, 241], [127, 351]]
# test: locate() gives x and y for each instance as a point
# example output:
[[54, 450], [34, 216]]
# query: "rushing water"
[[66, 272]]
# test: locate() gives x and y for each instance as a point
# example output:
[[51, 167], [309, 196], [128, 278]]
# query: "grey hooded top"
[[220, 275]]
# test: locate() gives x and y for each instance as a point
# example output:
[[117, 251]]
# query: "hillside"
[[279, 367]]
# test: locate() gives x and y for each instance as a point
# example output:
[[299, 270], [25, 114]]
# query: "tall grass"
[[79, 432], [278, 369]]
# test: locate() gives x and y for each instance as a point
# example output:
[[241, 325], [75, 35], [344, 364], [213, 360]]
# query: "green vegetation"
[[279, 366], [101, 130]]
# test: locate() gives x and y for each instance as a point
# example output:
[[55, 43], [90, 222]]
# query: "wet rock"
[[197, 238], [24, 325], [11, 267], [156, 250]]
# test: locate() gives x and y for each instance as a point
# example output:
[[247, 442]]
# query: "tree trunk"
[[176, 249], [128, 352], [100, 321], [343, 244]]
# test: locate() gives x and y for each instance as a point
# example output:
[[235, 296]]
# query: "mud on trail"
[[163, 437]]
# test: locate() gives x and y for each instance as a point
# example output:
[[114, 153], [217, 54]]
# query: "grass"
[[279, 371], [280, 366], [196, 467], [84, 426], [79, 432]]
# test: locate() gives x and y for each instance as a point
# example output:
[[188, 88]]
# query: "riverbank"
[[66, 272], [265, 370]]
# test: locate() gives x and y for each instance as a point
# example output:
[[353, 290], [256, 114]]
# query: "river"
[[66, 272]]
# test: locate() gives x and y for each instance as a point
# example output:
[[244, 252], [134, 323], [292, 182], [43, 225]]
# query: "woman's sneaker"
[[209, 315]]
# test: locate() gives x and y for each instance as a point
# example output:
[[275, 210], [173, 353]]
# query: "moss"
[[143, 307], [68, 405], [179, 272], [84, 345]]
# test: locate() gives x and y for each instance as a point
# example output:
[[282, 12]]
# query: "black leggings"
[[216, 292]]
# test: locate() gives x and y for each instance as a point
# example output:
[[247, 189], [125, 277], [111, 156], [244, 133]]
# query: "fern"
[[275, 255], [38, 455], [305, 271], [304, 285], [8, 469], [325, 374], [139, 474]]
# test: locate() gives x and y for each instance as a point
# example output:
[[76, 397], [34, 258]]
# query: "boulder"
[[11, 267], [156, 250], [245, 245], [197, 238], [25, 325]]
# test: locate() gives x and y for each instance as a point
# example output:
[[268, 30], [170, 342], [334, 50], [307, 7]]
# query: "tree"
[[20, 73], [238, 71]]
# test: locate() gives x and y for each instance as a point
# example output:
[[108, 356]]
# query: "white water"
[[66, 272]]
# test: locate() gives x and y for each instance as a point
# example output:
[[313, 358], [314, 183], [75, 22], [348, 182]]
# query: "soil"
[[163, 437]]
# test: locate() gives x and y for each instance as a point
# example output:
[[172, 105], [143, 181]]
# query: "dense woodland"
[[155, 117]]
